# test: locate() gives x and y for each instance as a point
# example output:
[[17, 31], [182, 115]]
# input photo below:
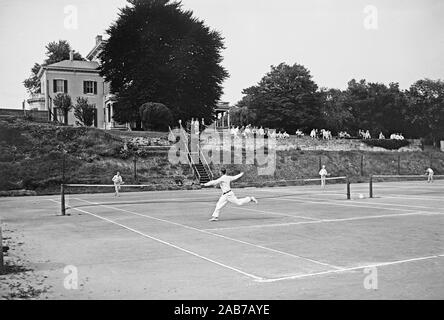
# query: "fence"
[[35, 115]]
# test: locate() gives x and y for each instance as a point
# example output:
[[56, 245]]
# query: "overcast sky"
[[331, 38]]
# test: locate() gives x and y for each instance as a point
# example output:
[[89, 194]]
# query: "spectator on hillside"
[[261, 132], [196, 126], [343, 135], [272, 134], [314, 133], [299, 133], [381, 136]]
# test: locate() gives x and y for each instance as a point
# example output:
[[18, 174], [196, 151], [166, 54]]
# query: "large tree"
[[55, 52], [426, 109], [336, 114], [376, 107], [159, 52], [285, 98]]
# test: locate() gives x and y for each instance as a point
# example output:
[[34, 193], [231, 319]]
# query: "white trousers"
[[229, 197]]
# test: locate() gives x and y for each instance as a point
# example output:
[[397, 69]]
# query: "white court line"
[[168, 244], [380, 205], [397, 205], [396, 196], [271, 225], [336, 203], [376, 265], [217, 235], [275, 213]]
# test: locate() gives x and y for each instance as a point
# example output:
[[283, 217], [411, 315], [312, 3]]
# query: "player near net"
[[429, 174], [118, 181], [227, 195], [323, 173]]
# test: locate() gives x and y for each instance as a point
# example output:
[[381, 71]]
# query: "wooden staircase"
[[201, 172]]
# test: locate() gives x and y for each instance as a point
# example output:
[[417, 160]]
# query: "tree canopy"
[[159, 52], [55, 52], [426, 108], [285, 98]]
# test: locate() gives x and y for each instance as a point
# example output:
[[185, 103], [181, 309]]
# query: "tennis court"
[[299, 242]]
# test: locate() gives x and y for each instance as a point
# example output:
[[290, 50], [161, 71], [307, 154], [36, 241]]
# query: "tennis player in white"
[[323, 173], [227, 194], [429, 173], [117, 179]]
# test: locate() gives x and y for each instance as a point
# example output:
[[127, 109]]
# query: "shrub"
[[155, 116], [389, 144], [84, 112]]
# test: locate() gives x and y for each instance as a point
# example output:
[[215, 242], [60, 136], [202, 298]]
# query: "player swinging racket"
[[429, 173], [227, 194], [323, 173], [117, 179]]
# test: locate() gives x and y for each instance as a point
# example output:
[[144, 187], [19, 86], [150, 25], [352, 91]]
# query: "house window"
[[89, 87], [60, 86]]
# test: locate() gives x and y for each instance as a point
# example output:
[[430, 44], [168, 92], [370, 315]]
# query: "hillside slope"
[[30, 159]]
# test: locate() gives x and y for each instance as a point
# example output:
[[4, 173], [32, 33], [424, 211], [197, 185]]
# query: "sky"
[[337, 40]]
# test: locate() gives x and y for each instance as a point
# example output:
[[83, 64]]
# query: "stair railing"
[[189, 155]]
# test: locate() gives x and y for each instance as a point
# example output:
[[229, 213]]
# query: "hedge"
[[389, 144]]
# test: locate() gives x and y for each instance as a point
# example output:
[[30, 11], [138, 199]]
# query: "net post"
[[2, 266], [62, 199], [348, 189], [399, 164], [371, 186], [362, 165]]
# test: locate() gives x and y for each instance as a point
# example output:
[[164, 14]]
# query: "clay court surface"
[[297, 243]]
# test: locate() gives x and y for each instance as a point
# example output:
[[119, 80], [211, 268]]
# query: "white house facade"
[[82, 79]]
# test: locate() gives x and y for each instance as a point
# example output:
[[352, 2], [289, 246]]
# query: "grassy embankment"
[[30, 159]]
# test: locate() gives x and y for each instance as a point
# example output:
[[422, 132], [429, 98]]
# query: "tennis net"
[[87, 195], [406, 185]]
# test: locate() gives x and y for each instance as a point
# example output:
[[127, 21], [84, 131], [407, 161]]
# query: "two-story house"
[[77, 79]]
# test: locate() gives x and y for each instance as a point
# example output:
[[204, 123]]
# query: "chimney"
[[71, 55], [99, 39]]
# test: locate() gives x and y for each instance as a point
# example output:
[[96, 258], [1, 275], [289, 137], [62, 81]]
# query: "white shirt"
[[224, 182], [117, 179], [323, 172], [429, 171]]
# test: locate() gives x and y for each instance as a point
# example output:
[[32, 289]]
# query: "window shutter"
[[54, 85], [84, 87], [65, 86], [95, 87]]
